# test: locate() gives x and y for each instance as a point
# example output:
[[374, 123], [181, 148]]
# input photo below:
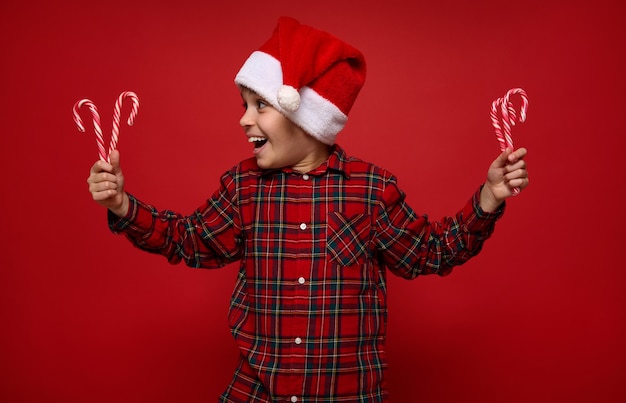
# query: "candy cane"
[[116, 116], [509, 115], [96, 124], [116, 121]]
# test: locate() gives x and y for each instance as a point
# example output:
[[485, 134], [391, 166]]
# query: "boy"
[[313, 228]]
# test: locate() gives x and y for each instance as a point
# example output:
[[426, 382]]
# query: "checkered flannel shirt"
[[309, 308]]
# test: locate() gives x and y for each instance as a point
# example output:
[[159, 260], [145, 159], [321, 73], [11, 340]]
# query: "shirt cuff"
[[137, 220], [478, 220]]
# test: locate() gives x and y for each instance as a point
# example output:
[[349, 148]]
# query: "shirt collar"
[[338, 161]]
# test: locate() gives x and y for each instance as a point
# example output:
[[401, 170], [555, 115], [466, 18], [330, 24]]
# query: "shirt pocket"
[[348, 238]]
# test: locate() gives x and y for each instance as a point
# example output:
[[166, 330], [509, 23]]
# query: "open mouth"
[[257, 141]]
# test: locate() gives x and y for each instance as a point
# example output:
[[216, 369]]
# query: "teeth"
[[254, 139]]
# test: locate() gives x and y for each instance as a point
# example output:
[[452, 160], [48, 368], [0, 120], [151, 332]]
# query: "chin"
[[263, 164], [269, 164]]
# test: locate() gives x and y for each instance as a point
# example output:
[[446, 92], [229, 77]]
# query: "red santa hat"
[[309, 75]]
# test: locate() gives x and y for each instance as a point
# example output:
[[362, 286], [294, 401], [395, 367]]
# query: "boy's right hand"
[[106, 184]]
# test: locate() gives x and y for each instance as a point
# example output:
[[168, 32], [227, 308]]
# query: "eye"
[[261, 104]]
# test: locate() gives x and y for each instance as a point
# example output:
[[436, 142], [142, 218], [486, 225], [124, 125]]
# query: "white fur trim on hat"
[[262, 73]]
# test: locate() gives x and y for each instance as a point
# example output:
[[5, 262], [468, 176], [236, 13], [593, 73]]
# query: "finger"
[[517, 155], [115, 160], [101, 177], [517, 174], [100, 166], [518, 183], [105, 177], [104, 195], [521, 164], [102, 186], [502, 159]]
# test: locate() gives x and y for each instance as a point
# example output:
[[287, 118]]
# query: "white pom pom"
[[289, 98]]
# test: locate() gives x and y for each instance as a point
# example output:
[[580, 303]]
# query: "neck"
[[314, 159]]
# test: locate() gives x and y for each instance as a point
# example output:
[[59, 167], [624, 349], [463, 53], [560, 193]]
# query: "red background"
[[538, 316]]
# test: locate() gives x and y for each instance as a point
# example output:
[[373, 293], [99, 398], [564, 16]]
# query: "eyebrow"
[[243, 89]]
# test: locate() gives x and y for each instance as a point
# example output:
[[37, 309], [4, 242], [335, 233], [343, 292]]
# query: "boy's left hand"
[[507, 172]]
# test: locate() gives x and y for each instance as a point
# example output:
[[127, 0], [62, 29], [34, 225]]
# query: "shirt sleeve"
[[411, 245], [208, 238]]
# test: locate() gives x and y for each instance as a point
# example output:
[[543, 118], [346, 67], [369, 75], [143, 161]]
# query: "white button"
[[301, 280], [305, 177], [303, 226], [298, 340], [294, 399]]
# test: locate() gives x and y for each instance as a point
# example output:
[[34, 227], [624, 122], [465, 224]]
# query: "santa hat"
[[308, 75]]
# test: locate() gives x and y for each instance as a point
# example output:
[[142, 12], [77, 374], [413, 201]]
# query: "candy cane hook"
[[116, 116], [508, 118], [96, 124], [116, 121]]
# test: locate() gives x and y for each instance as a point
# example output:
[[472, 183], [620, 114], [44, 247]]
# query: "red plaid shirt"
[[309, 308]]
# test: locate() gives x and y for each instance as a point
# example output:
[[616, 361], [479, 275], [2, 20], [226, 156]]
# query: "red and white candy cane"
[[96, 124], [102, 152], [508, 118], [116, 116]]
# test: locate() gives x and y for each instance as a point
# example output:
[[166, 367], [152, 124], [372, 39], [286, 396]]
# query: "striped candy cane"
[[104, 156], [96, 124], [508, 118], [116, 116]]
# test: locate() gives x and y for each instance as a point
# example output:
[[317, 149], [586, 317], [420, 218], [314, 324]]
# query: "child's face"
[[278, 142]]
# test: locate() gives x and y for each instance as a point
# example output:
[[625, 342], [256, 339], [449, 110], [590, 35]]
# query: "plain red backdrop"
[[538, 316]]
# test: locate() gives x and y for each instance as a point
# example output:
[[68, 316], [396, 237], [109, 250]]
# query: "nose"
[[247, 118]]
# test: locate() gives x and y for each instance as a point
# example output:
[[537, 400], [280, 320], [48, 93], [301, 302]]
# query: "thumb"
[[114, 159], [503, 158]]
